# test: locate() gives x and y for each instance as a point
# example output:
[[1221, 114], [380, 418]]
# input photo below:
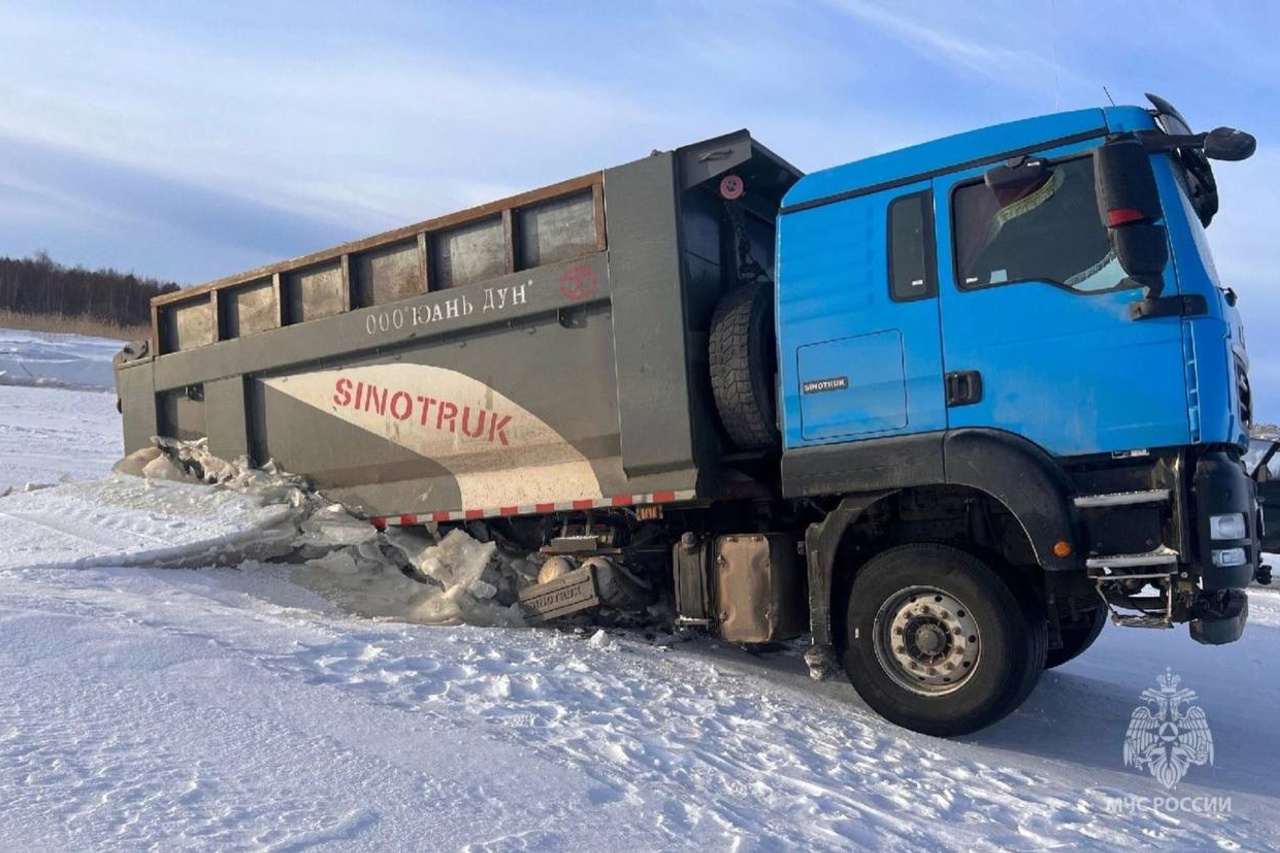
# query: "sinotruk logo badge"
[[1167, 734]]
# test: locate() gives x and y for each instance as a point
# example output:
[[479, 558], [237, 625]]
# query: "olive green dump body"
[[543, 352]]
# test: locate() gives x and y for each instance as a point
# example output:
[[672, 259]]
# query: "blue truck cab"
[[1015, 339]]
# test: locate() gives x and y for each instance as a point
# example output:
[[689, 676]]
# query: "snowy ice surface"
[[235, 709], [120, 520], [53, 360]]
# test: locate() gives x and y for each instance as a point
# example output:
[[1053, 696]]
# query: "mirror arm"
[[1152, 286], [1224, 143], [1157, 141]]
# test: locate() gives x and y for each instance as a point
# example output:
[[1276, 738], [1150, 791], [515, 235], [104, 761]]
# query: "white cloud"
[[368, 138], [987, 57]]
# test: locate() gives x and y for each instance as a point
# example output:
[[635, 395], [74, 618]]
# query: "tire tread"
[[737, 363]]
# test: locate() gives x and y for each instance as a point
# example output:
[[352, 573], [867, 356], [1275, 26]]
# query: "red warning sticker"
[[732, 187], [579, 282]]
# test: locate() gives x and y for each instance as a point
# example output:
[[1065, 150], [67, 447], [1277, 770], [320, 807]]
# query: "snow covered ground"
[[236, 709], [47, 431]]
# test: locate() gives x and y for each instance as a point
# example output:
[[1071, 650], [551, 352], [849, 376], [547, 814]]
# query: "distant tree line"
[[40, 285]]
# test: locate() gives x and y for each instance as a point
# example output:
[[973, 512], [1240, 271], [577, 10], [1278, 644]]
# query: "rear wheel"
[[1076, 637], [938, 643]]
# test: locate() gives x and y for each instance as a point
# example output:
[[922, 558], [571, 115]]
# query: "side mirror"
[[1129, 205], [1143, 252], [1227, 143]]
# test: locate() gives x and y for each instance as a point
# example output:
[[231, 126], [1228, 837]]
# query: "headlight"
[[1228, 557], [1229, 526]]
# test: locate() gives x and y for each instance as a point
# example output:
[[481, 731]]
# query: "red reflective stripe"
[[584, 503], [378, 522], [1123, 216]]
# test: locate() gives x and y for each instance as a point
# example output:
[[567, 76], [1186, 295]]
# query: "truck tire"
[[1076, 637], [742, 366], [938, 643]]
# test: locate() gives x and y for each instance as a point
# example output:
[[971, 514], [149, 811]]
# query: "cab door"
[[860, 351], [1037, 337], [1263, 463]]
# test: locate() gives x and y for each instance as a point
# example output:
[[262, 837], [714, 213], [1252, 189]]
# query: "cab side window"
[[1048, 232], [912, 260]]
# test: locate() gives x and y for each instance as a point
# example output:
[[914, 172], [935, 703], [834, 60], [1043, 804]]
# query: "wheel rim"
[[926, 640]]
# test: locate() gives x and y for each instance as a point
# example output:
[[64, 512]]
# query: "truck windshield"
[[1046, 232]]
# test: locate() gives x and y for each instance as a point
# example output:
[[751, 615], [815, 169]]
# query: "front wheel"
[[937, 642]]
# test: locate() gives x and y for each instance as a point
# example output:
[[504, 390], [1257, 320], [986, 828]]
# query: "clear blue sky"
[[192, 140]]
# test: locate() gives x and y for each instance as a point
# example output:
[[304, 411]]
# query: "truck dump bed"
[[542, 352]]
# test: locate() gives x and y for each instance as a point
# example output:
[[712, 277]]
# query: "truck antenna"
[[1053, 24], [1108, 94]]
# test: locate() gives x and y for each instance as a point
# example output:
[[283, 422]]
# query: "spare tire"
[[743, 362]]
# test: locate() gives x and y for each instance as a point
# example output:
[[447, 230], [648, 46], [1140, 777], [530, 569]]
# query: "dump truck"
[[946, 410]]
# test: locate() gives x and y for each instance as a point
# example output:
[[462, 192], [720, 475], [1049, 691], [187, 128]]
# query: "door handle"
[[964, 388]]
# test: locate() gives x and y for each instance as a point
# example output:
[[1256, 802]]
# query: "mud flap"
[[569, 593]]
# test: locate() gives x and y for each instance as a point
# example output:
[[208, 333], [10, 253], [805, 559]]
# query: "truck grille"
[[1244, 393]]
